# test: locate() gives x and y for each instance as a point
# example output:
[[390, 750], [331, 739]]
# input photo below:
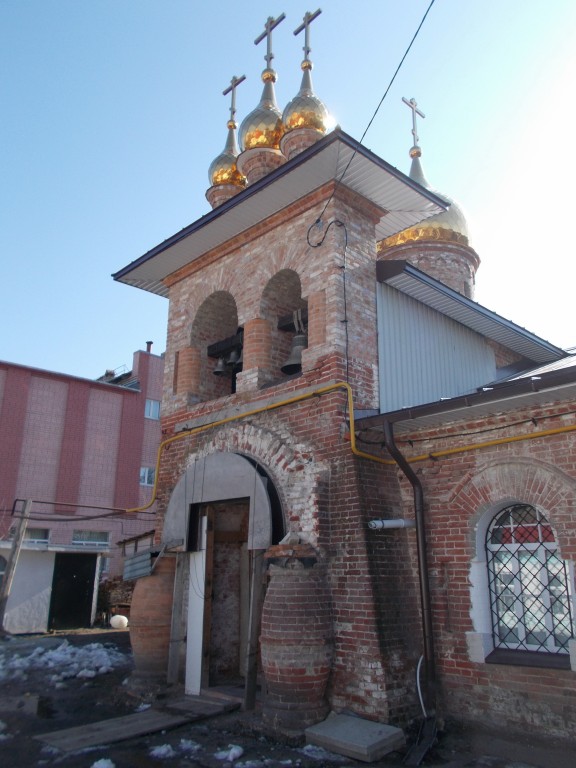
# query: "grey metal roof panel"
[[530, 391], [335, 157], [420, 286], [556, 365]]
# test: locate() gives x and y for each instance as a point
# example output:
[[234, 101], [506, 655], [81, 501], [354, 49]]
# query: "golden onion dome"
[[223, 169], [263, 127], [449, 225], [306, 110]]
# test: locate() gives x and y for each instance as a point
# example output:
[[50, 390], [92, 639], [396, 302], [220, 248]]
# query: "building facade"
[[83, 451], [366, 487]]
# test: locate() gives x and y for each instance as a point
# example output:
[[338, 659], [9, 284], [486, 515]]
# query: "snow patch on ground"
[[66, 661], [319, 753], [187, 745], [234, 752], [163, 751]]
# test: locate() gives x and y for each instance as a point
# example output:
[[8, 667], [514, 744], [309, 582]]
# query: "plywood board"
[[109, 731]]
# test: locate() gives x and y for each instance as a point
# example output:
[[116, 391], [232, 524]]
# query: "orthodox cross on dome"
[[415, 111], [268, 27], [308, 19], [234, 83]]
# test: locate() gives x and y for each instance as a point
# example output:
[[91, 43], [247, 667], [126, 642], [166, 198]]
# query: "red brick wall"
[[460, 489]]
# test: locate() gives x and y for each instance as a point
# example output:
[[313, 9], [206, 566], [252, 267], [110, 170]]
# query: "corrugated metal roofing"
[[420, 286], [336, 156]]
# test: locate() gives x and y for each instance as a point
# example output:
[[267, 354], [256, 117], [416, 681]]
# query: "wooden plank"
[[256, 601], [177, 629], [109, 731], [208, 588]]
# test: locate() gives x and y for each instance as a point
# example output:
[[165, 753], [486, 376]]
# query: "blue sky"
[[112, 111]]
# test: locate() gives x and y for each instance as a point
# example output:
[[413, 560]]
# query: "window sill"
[[529, 659]]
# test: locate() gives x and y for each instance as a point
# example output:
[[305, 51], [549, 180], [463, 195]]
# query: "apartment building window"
[[33, 535], [147, 475], [91, 538], [152, 409]]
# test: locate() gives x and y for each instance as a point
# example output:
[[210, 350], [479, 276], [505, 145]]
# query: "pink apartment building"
[[83, 451]]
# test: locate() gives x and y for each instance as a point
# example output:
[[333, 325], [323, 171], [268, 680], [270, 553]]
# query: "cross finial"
[[234, 83], [308, 19], [268, 27], [415, 111]]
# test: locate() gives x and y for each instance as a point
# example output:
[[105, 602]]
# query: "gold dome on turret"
[[223, 169], [449, 225], [306, 110], [263, 127]]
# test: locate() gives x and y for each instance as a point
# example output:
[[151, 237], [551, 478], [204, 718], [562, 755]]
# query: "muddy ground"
[[33, 706]]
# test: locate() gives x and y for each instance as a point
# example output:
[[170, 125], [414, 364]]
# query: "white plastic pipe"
[[397, 523]]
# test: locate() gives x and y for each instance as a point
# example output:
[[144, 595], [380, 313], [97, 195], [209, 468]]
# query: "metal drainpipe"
[[429, 660]]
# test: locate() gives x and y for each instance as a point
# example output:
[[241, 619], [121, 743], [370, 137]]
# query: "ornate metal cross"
[[234, 83], [268, 27], [415, 111], [308, 19]]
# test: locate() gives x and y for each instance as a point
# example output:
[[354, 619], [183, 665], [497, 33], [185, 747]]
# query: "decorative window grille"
[[529, 586], [91, 538]]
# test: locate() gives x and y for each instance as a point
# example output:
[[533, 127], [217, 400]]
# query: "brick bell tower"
[[266, 574]]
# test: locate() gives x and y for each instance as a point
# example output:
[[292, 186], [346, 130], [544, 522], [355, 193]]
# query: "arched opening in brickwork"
[[285, 309], [522, 593], [216, 336], [225, 510]]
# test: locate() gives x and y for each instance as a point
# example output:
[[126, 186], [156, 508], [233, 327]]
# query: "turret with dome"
[[438, 246], [267, 136]]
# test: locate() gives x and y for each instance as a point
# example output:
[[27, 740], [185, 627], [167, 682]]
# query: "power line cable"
[[406, 52]]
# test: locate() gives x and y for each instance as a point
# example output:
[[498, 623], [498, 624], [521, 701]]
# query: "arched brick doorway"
[[226, 511]]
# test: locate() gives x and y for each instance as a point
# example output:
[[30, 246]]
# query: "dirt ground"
[[36, 706]]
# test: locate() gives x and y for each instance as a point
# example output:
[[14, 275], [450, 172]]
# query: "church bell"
[[220, 369], [294, 362]]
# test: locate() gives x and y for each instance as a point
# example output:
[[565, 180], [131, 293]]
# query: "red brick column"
[[188, 376], [296, 640], [256, 354], [316, 318], [150, 620]]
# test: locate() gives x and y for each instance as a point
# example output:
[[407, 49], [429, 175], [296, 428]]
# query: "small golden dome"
[[449, 225], [263, 127], [306, 110], [223, 169]]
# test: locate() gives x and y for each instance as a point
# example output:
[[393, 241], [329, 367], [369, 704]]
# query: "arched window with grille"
[[528, 582]]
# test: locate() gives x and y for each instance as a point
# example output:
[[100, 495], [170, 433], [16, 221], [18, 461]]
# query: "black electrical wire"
[[406, 52]]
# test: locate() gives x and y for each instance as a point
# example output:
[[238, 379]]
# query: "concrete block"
[[354, 737]]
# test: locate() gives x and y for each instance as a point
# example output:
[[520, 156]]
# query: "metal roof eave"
[[405, 201], [498, 398], [438, 296]]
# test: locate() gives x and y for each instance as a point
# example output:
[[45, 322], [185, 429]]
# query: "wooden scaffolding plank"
[[109, 731]]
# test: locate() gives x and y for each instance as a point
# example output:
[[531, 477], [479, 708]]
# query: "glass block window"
[[91, 538], [152, 409], [147, 475], [530, 596]]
